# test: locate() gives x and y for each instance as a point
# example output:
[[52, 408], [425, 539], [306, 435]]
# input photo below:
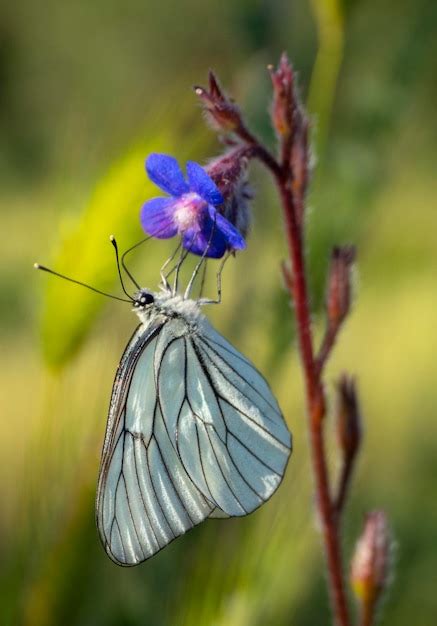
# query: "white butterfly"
[[193, 432]]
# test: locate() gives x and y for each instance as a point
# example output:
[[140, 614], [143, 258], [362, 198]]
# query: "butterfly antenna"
[[37, 266], [123, 256], [126, 252], [114, 243]]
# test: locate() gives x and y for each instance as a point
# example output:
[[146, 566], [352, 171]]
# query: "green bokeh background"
[[87, 90]]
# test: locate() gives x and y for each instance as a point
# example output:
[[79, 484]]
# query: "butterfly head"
[[143, 299]]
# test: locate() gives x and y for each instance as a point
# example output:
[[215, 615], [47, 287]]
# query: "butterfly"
[[193, 431]]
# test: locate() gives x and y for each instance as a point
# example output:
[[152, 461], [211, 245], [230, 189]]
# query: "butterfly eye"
[[144, 300]]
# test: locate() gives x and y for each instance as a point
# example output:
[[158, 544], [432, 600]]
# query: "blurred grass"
[[328, 16], [89, 89]]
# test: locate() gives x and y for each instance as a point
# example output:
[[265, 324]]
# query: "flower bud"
[[300, 159], [292, 128], [348, 424], [221, 112], [283, 97], [229, 172], [339, 284], [371, 561]]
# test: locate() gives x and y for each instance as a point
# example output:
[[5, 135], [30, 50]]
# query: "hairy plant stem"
[[315, 398], [290, 170], [326, 347], [312, 364], [315, 407]]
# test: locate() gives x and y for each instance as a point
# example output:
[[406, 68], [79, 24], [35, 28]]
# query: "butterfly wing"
[[194, 431], [145, 498], [229, 433]]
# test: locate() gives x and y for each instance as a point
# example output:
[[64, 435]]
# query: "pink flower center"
[[188, 212]]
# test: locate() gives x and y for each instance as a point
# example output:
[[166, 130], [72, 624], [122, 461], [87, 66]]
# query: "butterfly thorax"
[[149, 306]]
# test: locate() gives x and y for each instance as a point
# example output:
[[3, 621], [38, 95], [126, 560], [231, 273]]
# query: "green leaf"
[[85, 252]]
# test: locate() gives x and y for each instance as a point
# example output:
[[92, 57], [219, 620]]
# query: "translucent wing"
[[230, 433], [145, 498], [193, 432]]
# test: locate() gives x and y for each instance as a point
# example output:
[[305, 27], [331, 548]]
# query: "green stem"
[[328, 17]]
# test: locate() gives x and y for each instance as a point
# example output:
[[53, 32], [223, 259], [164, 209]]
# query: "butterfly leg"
[[177, 268], [202, 282], [194, 274], [164, 277], [202, 301], [200, 263]]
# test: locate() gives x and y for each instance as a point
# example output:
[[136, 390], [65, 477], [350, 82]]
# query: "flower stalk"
[[291, 172], [316, 408]]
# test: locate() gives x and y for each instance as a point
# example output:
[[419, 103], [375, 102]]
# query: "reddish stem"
[[316, 408], [260, 151], [327, 346], [315, 399]]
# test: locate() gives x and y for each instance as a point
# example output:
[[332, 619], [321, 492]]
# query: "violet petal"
[[157, 218], [202, 184], [201, 242], [165, 172], [233, 236]]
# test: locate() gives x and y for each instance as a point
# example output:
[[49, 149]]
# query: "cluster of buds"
[[370, 568], [229, 172], [291, 126], [222, 113], [284, 97]]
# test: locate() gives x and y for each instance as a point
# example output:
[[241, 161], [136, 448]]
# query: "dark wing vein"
[[239, 410], [151, 474], [217, 396], [142, 495], [227, 364], [138, 514]]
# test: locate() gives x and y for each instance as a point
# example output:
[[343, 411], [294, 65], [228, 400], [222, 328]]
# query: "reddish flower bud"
[[300, 162], [339, 284], [371, 561], [283, 97], [292, 128], [229, 172], [221, 111], [348, 417]]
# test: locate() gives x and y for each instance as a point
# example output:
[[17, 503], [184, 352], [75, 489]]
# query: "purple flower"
[[190, 210]]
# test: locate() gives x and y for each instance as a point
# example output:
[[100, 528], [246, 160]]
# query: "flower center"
[[188, 212]]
